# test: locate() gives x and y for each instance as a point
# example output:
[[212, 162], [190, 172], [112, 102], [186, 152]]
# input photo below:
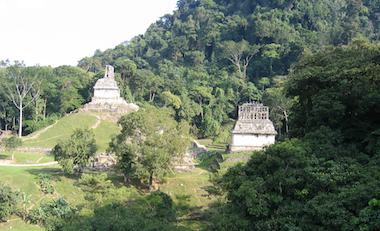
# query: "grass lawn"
[[66, 126], [206, 142], [26, 178], [62, 130], [17, 224], [189, 226], [221, 147], [103, 134], [27, 158]]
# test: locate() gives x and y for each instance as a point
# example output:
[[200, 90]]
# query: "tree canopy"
[[8, 201], [11, 144], [202, 49], [76, 151], [149, 143]]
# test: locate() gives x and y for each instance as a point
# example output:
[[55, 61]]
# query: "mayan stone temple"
[[253, 130], [106, 101]]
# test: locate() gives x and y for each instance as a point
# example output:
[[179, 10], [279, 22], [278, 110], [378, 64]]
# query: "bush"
[[9, 202]]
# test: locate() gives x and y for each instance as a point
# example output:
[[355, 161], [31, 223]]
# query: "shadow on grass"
[[118, 181], [205, 163], [54, 174], [3, 157]]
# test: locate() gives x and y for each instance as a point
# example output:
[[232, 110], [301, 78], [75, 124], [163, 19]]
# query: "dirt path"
[[25, 165], [5, 161], [45, 129], [97, 122], [196, 196], [40, 132]]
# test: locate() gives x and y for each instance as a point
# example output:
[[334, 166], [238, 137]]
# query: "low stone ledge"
[[197, 152], [237, 158], [239, 149]]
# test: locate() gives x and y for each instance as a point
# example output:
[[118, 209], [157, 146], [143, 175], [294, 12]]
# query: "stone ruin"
[[253, 130], [187, 164], [106, 101], [103, 162], [106, 161], [184, 165]]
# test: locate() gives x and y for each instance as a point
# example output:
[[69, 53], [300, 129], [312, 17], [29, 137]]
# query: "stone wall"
[[239, 149], [197, 152], [237, 158], [184, 165], [201, 149]]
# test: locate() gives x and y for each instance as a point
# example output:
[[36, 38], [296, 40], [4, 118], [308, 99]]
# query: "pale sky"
[[61, 32]]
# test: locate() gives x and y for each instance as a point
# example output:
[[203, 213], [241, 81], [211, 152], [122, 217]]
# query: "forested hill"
[[225, 52], [198, 34], [205, 59]]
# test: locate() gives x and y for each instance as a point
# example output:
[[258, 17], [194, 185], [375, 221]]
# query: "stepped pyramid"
[[106, 101]]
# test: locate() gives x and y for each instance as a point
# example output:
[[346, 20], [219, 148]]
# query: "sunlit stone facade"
[[106, 100], [253, 130]]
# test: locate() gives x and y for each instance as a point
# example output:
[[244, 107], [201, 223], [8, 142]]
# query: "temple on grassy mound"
[[106, 100], [253, 130]]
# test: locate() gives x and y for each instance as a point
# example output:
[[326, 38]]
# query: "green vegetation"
[[11, 144], [8, 202], [203, 60], [62, 130], [323, 179], [103, 133], [66, 126], [76, 151], [26, 158], [314, 63], [154, 142]]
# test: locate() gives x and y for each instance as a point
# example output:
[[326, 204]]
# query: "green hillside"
[[65, 127]]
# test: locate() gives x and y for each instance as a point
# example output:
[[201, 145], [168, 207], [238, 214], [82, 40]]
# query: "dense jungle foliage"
[[205, 59], [316, 64]]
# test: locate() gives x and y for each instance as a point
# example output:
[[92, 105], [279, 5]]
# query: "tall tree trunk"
[[154, 94], [126, 179], [20, 121], [151, 182], [122, 82], [13, 155], [286, 122], [244, 73], [36, 111], [44, 112]]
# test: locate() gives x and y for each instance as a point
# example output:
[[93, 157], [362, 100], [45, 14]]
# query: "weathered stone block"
[[107, 101], [253, 130]]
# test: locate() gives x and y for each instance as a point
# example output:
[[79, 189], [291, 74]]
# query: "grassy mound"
[[104, 132], [66, 126]]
